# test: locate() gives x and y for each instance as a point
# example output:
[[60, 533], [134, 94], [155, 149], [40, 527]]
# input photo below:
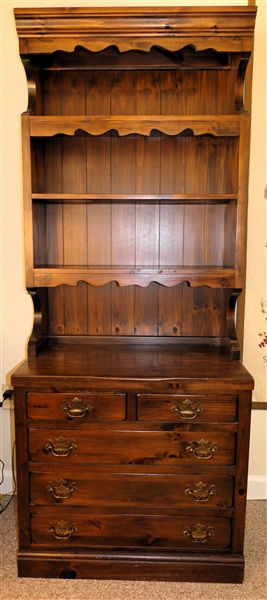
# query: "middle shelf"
[[217, 125], [134, 198], [141, 276]]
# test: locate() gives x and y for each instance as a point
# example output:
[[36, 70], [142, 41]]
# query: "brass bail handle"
[[201, 492], [199, 534], [202, 449], [61, 491], [61, 531], [75, 409], [187, 410], [60, 447]]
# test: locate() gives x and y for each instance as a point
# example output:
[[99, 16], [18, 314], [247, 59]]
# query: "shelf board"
[[217, 125], [166, 198], [141, 276]]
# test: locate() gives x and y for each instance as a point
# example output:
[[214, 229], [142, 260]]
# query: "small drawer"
[[131, 447], [65, 529], [72, 488], [76, 407], [177, 408]]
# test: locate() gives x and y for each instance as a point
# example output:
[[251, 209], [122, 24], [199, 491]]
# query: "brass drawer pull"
[[200, 535], [60, 448], [201, 493], [201, 449], [61, 531], [187, 411], [61, 491], [75, 409]]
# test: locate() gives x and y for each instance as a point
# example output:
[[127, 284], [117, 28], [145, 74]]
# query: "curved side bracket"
[[38, 337], [31, 82], [240, 82], [231, 344]]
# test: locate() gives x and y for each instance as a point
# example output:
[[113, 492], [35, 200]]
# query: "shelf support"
[[38, 338], [231, 343], [240, 81]]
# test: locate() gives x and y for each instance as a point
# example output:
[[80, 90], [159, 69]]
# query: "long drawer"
[[130, 489], [76, 407], [175, 408], [66, 529], [131, 447]]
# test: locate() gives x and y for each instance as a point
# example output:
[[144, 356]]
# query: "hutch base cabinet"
[[133, 408]]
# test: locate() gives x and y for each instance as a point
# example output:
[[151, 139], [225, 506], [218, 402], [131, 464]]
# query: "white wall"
[[16, 306]]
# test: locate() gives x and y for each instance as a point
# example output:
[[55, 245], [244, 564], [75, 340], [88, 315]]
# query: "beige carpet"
[[254, 587]]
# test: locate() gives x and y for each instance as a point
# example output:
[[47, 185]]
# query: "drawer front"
[[176, 408], [130, 489], [67, 529], [76, 407], [131, 447]]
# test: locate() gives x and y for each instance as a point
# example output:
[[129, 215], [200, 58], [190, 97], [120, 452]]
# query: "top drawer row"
[[113, 407]]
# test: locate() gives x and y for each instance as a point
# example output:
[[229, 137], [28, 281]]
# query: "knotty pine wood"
[[157, 311], [130, 488], [135, 150]]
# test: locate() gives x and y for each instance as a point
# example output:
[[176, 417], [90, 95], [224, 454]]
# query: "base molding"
[[257, 487], [122, 566]]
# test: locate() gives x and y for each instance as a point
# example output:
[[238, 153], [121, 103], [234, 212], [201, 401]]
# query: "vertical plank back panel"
[[196, 175], [74, 217], [98, 93], [174, 90], [148, 101], [55, 245], [171, 310], [98, 102], [146, 310], [171, 218], [54, 184], [99, 309], [122, 318]]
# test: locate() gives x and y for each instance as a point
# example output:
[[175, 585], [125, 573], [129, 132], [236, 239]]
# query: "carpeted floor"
[[254, 587]]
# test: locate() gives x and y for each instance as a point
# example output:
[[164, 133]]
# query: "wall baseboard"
[[7, 486], [257, 487]]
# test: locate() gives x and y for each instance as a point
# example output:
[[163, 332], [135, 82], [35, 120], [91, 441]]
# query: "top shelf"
[[46, 30], [222, 125]]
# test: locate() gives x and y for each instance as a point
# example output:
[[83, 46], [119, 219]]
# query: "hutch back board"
[[133, 408]]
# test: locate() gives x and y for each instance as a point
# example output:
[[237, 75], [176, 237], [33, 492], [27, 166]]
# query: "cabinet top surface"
[[133, 363]]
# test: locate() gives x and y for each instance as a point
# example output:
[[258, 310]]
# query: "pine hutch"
[[133, 408]]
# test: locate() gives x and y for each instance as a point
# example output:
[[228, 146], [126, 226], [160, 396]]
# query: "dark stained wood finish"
[[127, 531], [131, 447], [201, 408], [132, 409], [102, 407], [93, 489]]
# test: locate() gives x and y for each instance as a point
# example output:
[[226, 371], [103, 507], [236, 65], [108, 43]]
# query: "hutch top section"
[[46, 30]]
